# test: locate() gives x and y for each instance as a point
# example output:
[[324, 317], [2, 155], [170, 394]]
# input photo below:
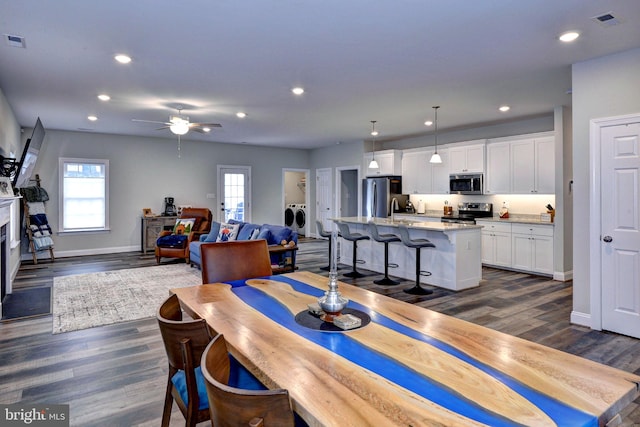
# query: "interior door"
[[324, 209], [620, 228], [234, 187]]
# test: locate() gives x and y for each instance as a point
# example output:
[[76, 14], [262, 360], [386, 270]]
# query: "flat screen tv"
[[29, 156]]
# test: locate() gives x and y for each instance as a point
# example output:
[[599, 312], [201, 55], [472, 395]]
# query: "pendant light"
[[436, 157], [373, 164]]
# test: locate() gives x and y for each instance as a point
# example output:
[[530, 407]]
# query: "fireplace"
[[6, 205]]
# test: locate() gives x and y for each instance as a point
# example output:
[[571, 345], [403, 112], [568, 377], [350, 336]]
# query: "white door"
[[324, 198], [234, 188], [620, 228]]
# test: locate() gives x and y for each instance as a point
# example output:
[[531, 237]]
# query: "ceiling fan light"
[[179, 127]]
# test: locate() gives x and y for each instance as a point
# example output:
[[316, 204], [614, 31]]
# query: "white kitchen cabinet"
[[533, 166], [421, 177], [466, 158], [532, 248], [496, 243], [389, 163], [497, 180]]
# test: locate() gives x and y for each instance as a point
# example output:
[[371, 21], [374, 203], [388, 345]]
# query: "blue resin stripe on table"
[[435, 381]]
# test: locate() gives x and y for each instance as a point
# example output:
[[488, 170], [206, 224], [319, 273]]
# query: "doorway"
[[615, 213], [234, 188], [347, 191], [295, 200]]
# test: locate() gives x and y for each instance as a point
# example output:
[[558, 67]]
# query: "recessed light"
[[241, 114], [104, 97], [297, 90], [504, 108], [428, 123], [92, 118], [569, 36], [123, 59]]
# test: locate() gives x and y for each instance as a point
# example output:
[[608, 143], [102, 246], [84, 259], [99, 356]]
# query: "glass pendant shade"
[[435, 158], [373, 164]]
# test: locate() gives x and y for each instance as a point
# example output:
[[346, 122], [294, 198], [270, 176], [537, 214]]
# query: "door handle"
[[608, 239]]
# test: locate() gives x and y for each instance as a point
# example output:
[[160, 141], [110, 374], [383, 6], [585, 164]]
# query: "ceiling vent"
[[15, 41], [606, 19]]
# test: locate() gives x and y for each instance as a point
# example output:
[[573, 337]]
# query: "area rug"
[[88, 300]]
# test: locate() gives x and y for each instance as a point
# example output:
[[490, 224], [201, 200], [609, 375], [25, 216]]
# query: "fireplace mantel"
[[5, 221]]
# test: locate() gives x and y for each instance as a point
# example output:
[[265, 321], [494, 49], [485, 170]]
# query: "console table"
[[151, 227]]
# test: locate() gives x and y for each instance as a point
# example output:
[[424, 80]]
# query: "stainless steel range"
[[468, 212]]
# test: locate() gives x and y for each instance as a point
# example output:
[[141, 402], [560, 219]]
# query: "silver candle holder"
[[332, 303]]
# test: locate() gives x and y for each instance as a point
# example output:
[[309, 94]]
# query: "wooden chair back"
[[184, 343], [234, 260], [234, 407]]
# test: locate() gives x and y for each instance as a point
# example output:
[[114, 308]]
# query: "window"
[[84, 195], [235, 192]]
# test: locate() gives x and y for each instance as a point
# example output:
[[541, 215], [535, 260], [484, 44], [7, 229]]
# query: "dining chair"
[[237, 407], [184, 343], [234, 260]]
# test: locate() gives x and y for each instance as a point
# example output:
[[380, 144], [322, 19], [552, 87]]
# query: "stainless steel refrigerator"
[[378, 194]]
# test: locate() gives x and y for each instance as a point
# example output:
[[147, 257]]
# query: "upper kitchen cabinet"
[[497, 180], [533, 166], [419, 176], [466, 157], [389, 163]]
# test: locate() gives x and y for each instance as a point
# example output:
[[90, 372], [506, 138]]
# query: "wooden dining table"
[[408, 366]]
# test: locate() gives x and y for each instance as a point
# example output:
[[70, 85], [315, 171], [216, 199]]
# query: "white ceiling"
[[359, 60]]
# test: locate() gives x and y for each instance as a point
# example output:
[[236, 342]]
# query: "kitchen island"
[[455, 263]]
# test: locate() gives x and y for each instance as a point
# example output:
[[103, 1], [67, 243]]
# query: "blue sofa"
[[273, 234]]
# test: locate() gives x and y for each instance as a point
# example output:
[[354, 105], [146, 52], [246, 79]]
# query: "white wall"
[[602, 87], [145, 170]]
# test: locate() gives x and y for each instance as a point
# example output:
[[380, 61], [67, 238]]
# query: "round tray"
[[311, 321]]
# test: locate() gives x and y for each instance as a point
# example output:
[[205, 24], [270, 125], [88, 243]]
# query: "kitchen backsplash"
[[524, 205]]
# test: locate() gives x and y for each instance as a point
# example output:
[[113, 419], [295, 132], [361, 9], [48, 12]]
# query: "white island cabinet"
[[455, 263]]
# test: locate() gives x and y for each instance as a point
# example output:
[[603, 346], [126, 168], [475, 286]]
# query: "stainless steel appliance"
[[379, 193], [466, 184], [169, 207], [468, 212]]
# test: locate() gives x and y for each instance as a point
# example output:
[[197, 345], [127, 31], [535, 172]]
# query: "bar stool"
[[323, 233], [352, 237], [386, 239], [417, 244]]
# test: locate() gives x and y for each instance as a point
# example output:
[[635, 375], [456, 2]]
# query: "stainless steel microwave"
[[466, 184]]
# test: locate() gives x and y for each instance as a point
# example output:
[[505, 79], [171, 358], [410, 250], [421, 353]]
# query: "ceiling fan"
[[180, 125]]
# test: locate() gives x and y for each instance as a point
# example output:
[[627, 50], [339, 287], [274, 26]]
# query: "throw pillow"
[[254, 234], [228, 232], [184, 225]]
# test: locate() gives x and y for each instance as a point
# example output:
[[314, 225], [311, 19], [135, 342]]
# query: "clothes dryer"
[[301, 218]]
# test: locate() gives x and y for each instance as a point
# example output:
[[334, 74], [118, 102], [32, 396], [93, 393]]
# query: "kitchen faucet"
[[394, 206]]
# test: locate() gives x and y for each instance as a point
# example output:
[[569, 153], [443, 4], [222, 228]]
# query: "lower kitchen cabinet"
[[532, 248], [523, 247], [496, 243]]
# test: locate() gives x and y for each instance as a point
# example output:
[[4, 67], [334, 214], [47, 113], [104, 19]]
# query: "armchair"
[[176, 245]]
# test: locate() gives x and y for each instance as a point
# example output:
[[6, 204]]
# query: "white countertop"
[[409, 223], [513, 219]]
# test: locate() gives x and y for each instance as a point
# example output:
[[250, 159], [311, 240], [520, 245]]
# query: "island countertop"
[[409, 223]]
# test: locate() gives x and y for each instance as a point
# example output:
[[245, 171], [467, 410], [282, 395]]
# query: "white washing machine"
[[290, 216], [301, 218]]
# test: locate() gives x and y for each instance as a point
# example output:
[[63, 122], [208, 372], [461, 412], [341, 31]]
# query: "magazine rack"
[[37, 227]]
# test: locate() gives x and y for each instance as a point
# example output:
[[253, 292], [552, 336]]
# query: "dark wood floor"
[[115, 375]]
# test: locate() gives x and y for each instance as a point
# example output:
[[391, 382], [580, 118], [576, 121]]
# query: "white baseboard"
[[582, 319], [44, 255], [563, 276]]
